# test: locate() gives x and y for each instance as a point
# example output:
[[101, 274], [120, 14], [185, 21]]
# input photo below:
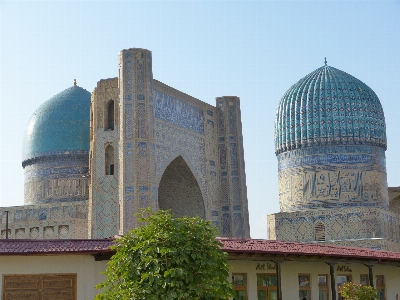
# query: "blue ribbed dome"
[[329, 107], [60, 124]]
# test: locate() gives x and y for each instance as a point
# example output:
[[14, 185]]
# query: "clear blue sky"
[[254, 50]]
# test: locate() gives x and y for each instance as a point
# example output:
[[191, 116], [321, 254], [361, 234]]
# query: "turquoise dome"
[[61, 124], [329, 107]]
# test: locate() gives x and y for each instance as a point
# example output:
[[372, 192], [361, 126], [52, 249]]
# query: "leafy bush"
[[353, 291], [168, 258]]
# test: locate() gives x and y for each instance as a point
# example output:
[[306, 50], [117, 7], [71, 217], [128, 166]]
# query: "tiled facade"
[[330, 140], [149, 145], [57, 220]]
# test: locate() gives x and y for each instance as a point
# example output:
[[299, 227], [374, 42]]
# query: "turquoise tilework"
[[59, 124]]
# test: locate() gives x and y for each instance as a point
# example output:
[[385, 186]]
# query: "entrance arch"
[[179, 191]]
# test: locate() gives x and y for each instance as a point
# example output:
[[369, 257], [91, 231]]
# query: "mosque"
[[93, 160]]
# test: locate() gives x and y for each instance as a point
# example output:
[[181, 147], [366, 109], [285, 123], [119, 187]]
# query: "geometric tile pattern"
[[136, 157], [342, 224], [63, 220], [233, 194], [329, 106]]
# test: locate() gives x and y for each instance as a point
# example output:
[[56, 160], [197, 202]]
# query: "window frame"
[[266, 288], [381, 287], [349, 278], [306, 287], [366, 279], [239, 287], [324, 287]]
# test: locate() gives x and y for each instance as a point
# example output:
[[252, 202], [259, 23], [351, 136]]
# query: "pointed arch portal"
[[179, 191]]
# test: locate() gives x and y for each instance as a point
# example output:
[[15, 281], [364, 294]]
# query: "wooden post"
[[6, 224], [278, 279], [370, 275], [332, 275]]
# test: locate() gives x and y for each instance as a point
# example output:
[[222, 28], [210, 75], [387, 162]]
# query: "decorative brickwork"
[[148, 145]]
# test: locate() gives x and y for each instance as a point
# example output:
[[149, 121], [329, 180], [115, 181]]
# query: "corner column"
[[233, 190], [137, 156]]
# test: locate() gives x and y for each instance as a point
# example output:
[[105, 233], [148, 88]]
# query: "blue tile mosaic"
[[60, 124], [143, 188], [328, 107], [179, 113], [129, 189]]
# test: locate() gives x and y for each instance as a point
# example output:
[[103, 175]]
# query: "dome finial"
[[74, 82], [325, 61]]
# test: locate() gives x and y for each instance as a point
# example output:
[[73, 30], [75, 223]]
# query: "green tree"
[[353, 291], [167, 258]]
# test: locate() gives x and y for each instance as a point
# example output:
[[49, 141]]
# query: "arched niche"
[[109, 160], [110, 113], [179, 191]]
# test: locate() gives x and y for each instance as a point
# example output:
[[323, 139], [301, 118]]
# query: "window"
[[380, 286], [319, 231], [240, 285], [340, 280], [364, 279], [110, 115], [304, 287], [266, 287], [39, 286], [109, 160], [323, 293]]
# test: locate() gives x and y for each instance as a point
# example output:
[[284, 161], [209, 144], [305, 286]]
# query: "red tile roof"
[[26, 247], [232, 245]]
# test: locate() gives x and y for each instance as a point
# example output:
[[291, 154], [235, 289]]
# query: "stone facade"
[[150, 145]]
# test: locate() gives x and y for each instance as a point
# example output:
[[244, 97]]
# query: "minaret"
[[233, 193], [137, 188], [104, 135]]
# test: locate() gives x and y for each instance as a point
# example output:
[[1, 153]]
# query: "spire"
[[74, 82], [325, 61]]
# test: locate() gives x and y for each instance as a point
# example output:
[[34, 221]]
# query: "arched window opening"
[[91, 125], [319, 231], [110, 115], [109, 160]]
